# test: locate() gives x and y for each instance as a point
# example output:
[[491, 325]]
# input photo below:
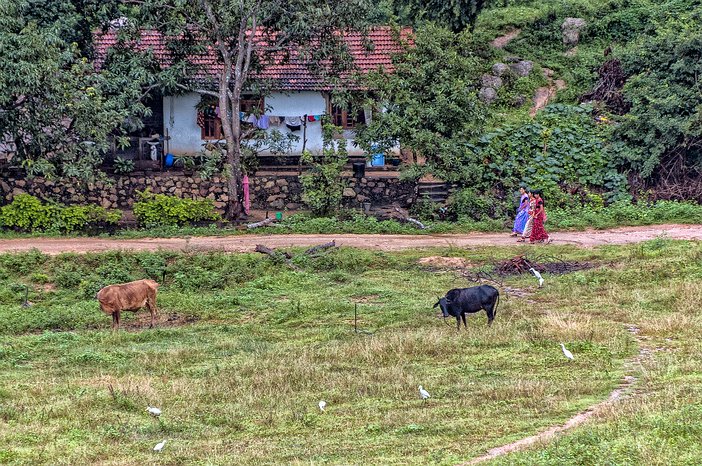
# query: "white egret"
[[537, 275], [159, 446], [153, 411], [567, 353], [322, 405], [423, 393]]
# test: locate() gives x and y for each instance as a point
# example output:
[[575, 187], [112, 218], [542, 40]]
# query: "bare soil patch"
[[163, 320], [502, 41]]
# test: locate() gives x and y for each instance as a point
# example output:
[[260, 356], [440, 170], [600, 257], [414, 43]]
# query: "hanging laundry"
[[310, 118], [275, 120], [293, 123], [217, 111], [263, 122], [252, 119], [241, 116]]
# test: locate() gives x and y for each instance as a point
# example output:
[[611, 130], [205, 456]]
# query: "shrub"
[[27, 213], [322, 185], [425, 209], [161, 210], [467, 203], [123, 165]]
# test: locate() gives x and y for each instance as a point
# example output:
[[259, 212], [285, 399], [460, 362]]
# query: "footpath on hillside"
[[247, 243]]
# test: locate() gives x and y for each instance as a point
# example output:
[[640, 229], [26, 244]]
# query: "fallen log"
[[262, 223], [277, 256], [320, 248]]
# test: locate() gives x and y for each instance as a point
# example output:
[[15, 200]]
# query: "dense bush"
[[466, 203], [27, 213], [561, 152], [160, 210]]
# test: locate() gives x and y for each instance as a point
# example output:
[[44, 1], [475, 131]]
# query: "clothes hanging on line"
[[274, 120], [263, 122], [293, 123]]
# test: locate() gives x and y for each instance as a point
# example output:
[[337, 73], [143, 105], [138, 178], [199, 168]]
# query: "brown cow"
[[130, 296]]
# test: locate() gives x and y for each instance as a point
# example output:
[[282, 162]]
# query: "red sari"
[[538, 232]]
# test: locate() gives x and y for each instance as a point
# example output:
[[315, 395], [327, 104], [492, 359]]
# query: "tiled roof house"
[[299, 97]]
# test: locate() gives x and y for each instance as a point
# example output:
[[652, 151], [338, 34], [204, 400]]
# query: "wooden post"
[[355, 317]]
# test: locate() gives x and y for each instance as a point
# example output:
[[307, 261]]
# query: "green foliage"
[[562, 151], [322, 185], [430, 99], [456, 15], [27, 213], [661, 135], [57, 111], [160, 210], [123, 166], [468, 203], [425, 209]]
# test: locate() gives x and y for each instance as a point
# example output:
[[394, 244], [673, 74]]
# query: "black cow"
[[460, 301]]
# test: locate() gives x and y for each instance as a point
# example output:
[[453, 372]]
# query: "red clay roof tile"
[[292, 74]]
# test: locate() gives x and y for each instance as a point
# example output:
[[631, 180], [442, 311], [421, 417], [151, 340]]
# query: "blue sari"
[[522, 215]]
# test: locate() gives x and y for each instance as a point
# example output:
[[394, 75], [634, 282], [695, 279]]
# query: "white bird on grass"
[[423, 393], [159, 446], [322, 405], [537, 275], [153, 411], [567, 353]]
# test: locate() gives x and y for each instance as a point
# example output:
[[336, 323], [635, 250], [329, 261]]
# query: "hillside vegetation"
[[624, 116]]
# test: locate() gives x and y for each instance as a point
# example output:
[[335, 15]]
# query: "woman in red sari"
[[538, 232]]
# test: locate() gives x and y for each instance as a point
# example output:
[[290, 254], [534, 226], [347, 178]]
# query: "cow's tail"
[[497, 301]]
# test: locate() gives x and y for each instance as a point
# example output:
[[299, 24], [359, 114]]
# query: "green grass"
[[578, 218], [253, 346]]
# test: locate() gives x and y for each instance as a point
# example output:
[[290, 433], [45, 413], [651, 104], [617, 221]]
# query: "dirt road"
[[247, 243]]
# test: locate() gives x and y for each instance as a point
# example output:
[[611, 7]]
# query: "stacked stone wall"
[[269, 192]]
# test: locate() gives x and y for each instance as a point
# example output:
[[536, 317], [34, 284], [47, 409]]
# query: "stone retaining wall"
[[268, 192]]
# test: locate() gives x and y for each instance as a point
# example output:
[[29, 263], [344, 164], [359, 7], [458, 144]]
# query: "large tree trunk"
[[231, 125], [235, 207]]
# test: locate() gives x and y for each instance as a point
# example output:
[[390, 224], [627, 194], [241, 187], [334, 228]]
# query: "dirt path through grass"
[[547, 435], [247, 243]]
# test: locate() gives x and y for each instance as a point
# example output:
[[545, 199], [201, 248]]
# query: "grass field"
[[246, 348]]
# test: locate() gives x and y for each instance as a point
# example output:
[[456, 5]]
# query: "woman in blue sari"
[[522, 212]]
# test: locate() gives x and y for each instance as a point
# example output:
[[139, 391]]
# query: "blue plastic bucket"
[[378, 160], [169, 160]]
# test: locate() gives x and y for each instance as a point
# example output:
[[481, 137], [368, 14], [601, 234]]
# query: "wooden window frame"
[[343, 117], [212, 129]]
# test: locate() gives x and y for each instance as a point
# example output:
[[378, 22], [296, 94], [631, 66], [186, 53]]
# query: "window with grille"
[[347, 116]]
